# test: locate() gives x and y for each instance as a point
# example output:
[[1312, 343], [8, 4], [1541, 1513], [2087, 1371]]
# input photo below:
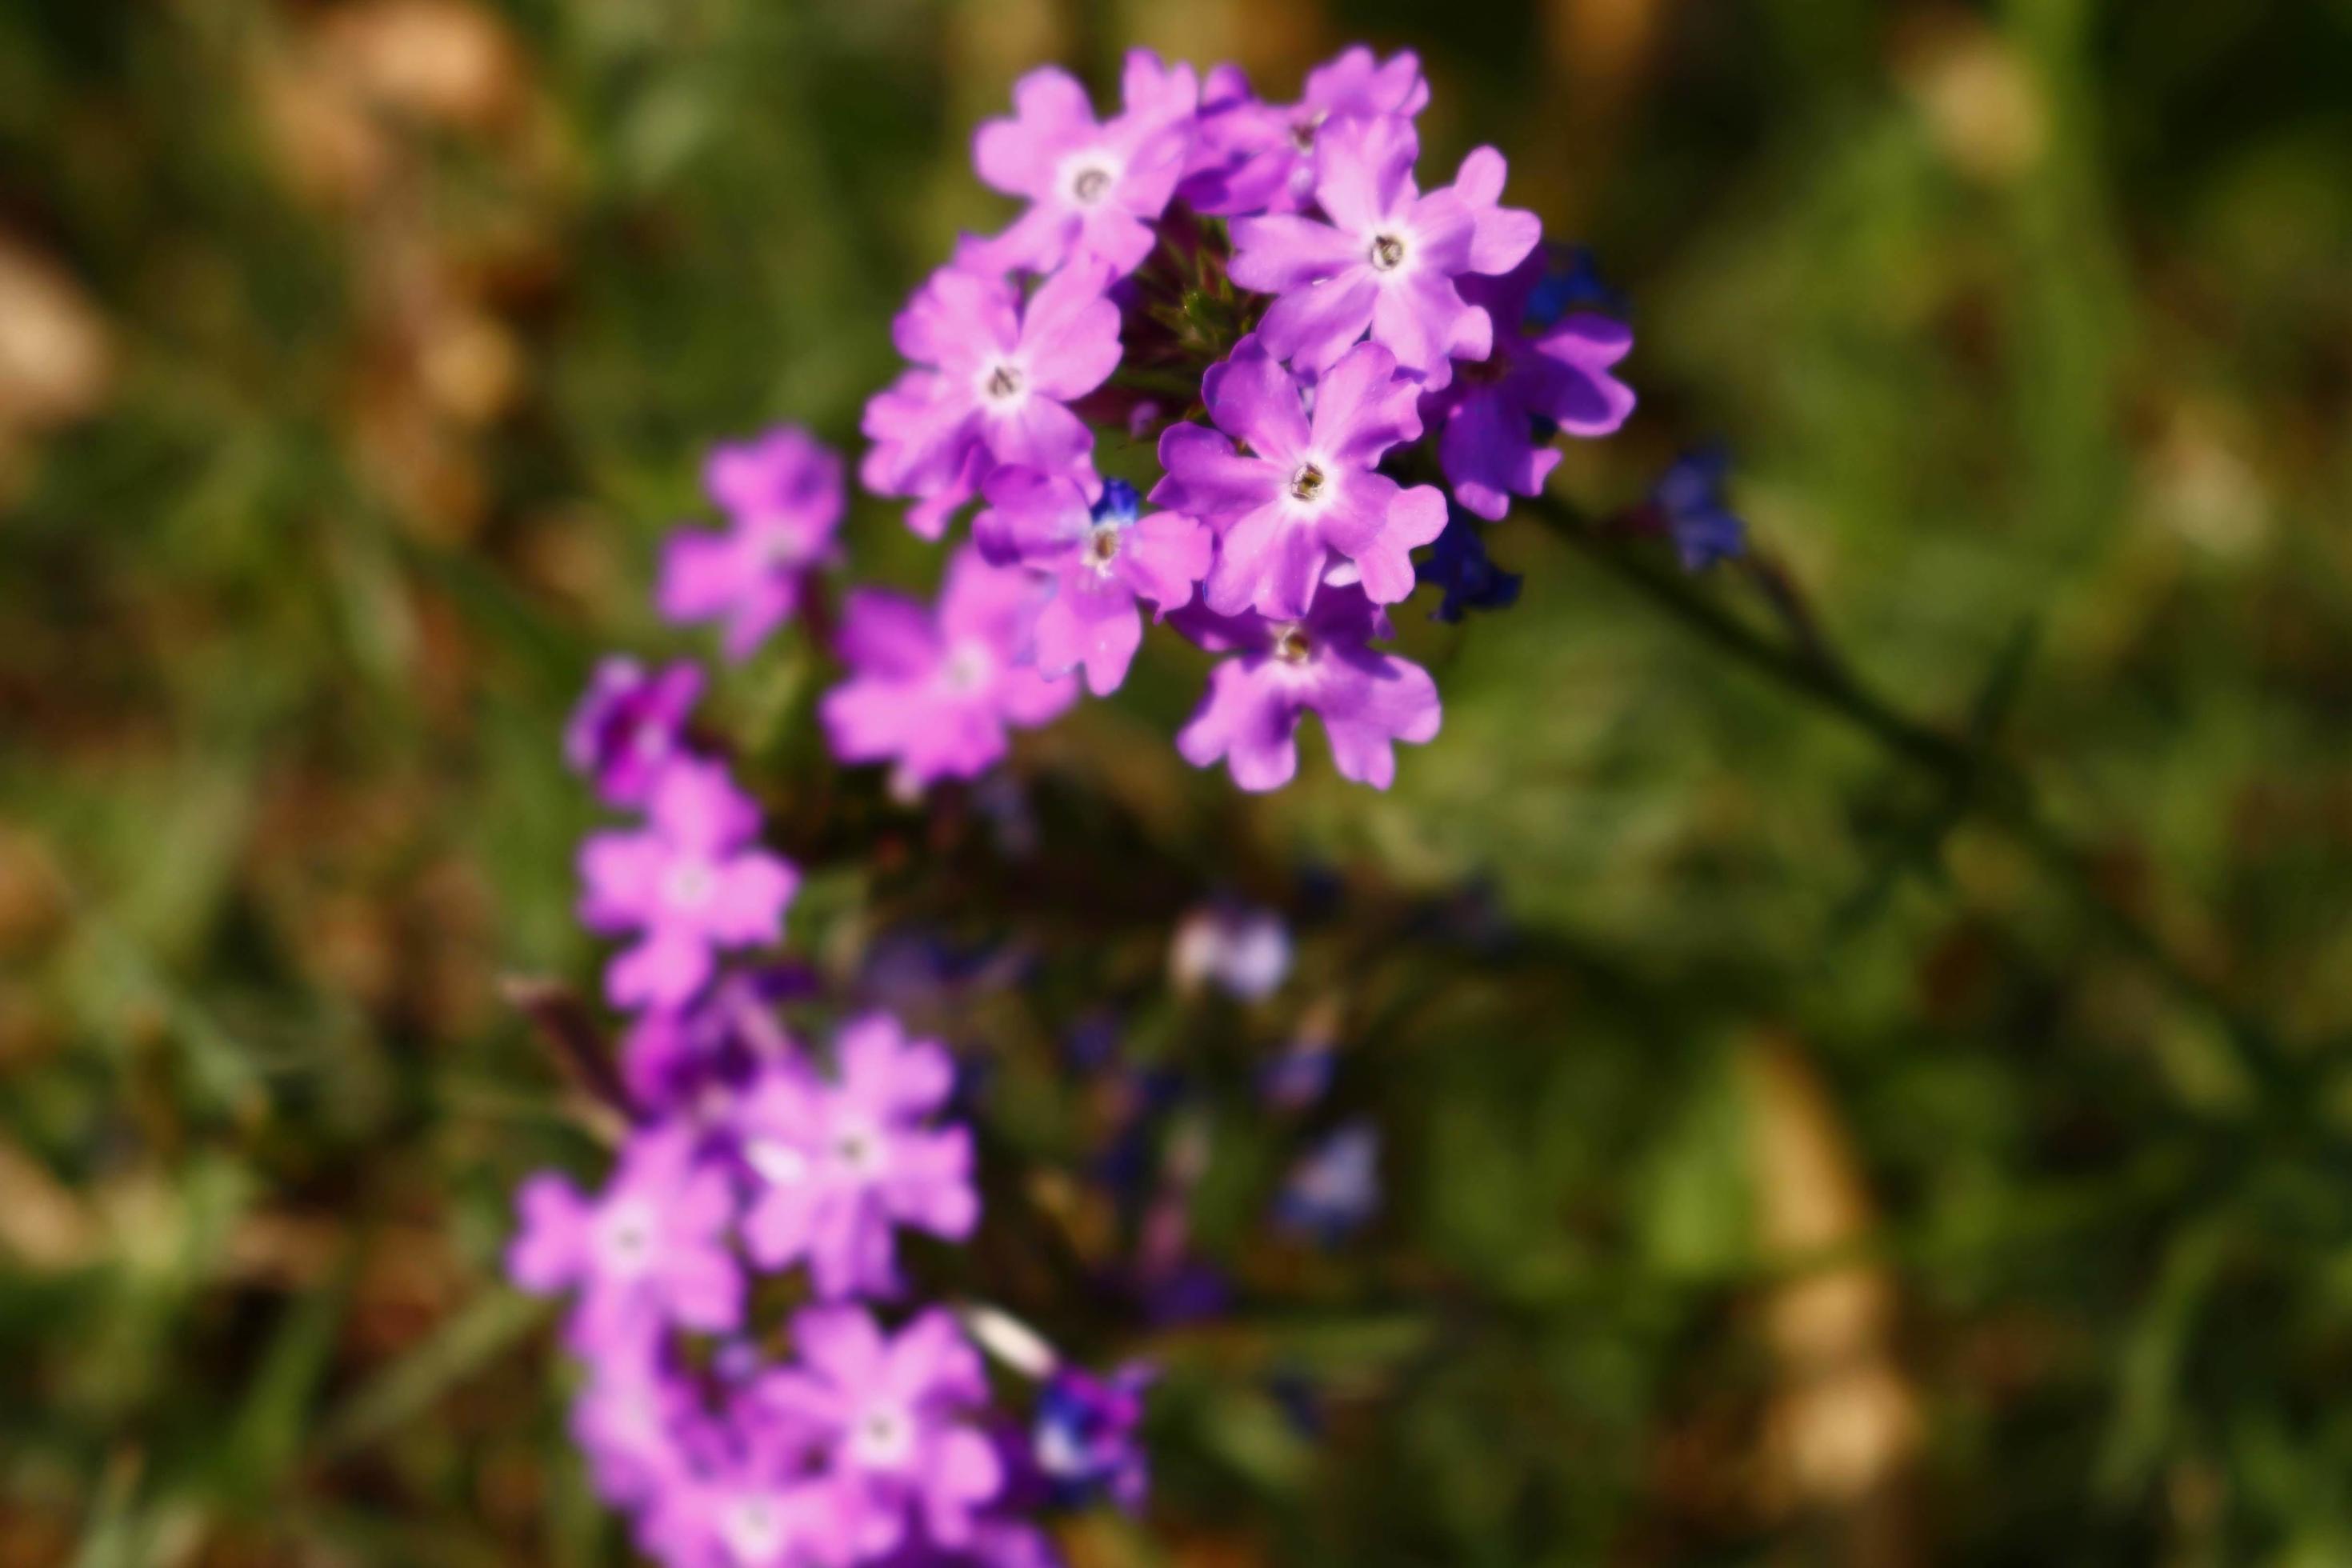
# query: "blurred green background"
[[1784, 1165]]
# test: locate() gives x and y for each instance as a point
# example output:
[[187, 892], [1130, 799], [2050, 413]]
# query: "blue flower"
[[1458, 565], [1689, 499], [1084, 1438], [1334, 1190], [1571, 282]]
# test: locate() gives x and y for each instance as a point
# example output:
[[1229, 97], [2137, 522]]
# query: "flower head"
[[648, 1251], [1496, 421], [1321, 661], [689, 883], [1689, 502], [1102, 557], [1465, 576], [837, 1165], [1334, 1190], [1305, 498], [629, 724], [889, 1414], [1244, 952], [783, 498], [934, 692], [1083, 1440], [1251, 156], [1094, 188], [1384, 258]]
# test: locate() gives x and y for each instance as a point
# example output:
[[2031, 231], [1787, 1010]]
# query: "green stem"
[[1990, 788]]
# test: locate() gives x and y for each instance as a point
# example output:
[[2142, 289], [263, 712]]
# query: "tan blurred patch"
[[1984, 109], [56, 355], [1844, 1425]]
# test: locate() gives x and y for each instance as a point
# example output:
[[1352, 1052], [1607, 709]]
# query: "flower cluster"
[[1348, 340], [746, 1156]]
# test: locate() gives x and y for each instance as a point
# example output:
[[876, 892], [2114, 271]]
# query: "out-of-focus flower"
[[1084, 1439], [1688, 503], [1463, 573], [689, 883], [935, 694], [650, 1250], [1244, 952], [784, 495], [841, 1164], [1334, 1190], [629, 724], [1253, 157]]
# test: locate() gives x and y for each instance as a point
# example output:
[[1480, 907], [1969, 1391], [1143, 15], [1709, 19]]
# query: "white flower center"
[[967, 667], [861, 1147], [627, 1234], [1307, 482], [1089, 181], [754, 1531], [1387, 253], [884, 1437], [1102, 545], [1291, 643], [690, 884]]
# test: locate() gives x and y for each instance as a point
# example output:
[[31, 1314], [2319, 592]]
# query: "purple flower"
[[839, 1165], [1102, 558], [1083, 1440], [669, 1057], [687, 883], [1094, 189], [1306, 492], [1334, 1190], [1386, 260], [934, 693], [1322, 662], [634, 1418], [750, 1513], [784, 495], [629, 724], [1497, 419], [995, 378], [1467, 578], [1244, 951], [1688, 501], [650, 1250], [889, 1414], [1255, 157]]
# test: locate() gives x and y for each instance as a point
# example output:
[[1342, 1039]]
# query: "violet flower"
[[1306, 492], [783, 496], [934, 692], [837, 1166], [890, 1413], [1496, 421], [1094, 189], [994, 374], [1322, 662], [651, 1250], [1334, 1190], [630, 722], [1252, 157], [1386, 260], [1102, 558], [1083, 1440], [689, 883]]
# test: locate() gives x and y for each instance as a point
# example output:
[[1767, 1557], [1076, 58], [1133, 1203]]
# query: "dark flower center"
[[1102, 544], [1307, 482], [1002, 382], [1090, 185], [1302, 132], [1387, 252], [1291, 644]]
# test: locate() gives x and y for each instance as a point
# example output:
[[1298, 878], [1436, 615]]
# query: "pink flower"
[[837, 1166], [1102, 558], [686, 883], [1306, 493], [751, 1513], [1323, 662], [784, 496], [995, 375], [1094, 189], [1385, 260], [1254, 157], [934, 692], [891, 1413], [650, 1250], [629, 724], [1498, 421]]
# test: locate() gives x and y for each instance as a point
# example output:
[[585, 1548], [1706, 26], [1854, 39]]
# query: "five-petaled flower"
[[783, 498]]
